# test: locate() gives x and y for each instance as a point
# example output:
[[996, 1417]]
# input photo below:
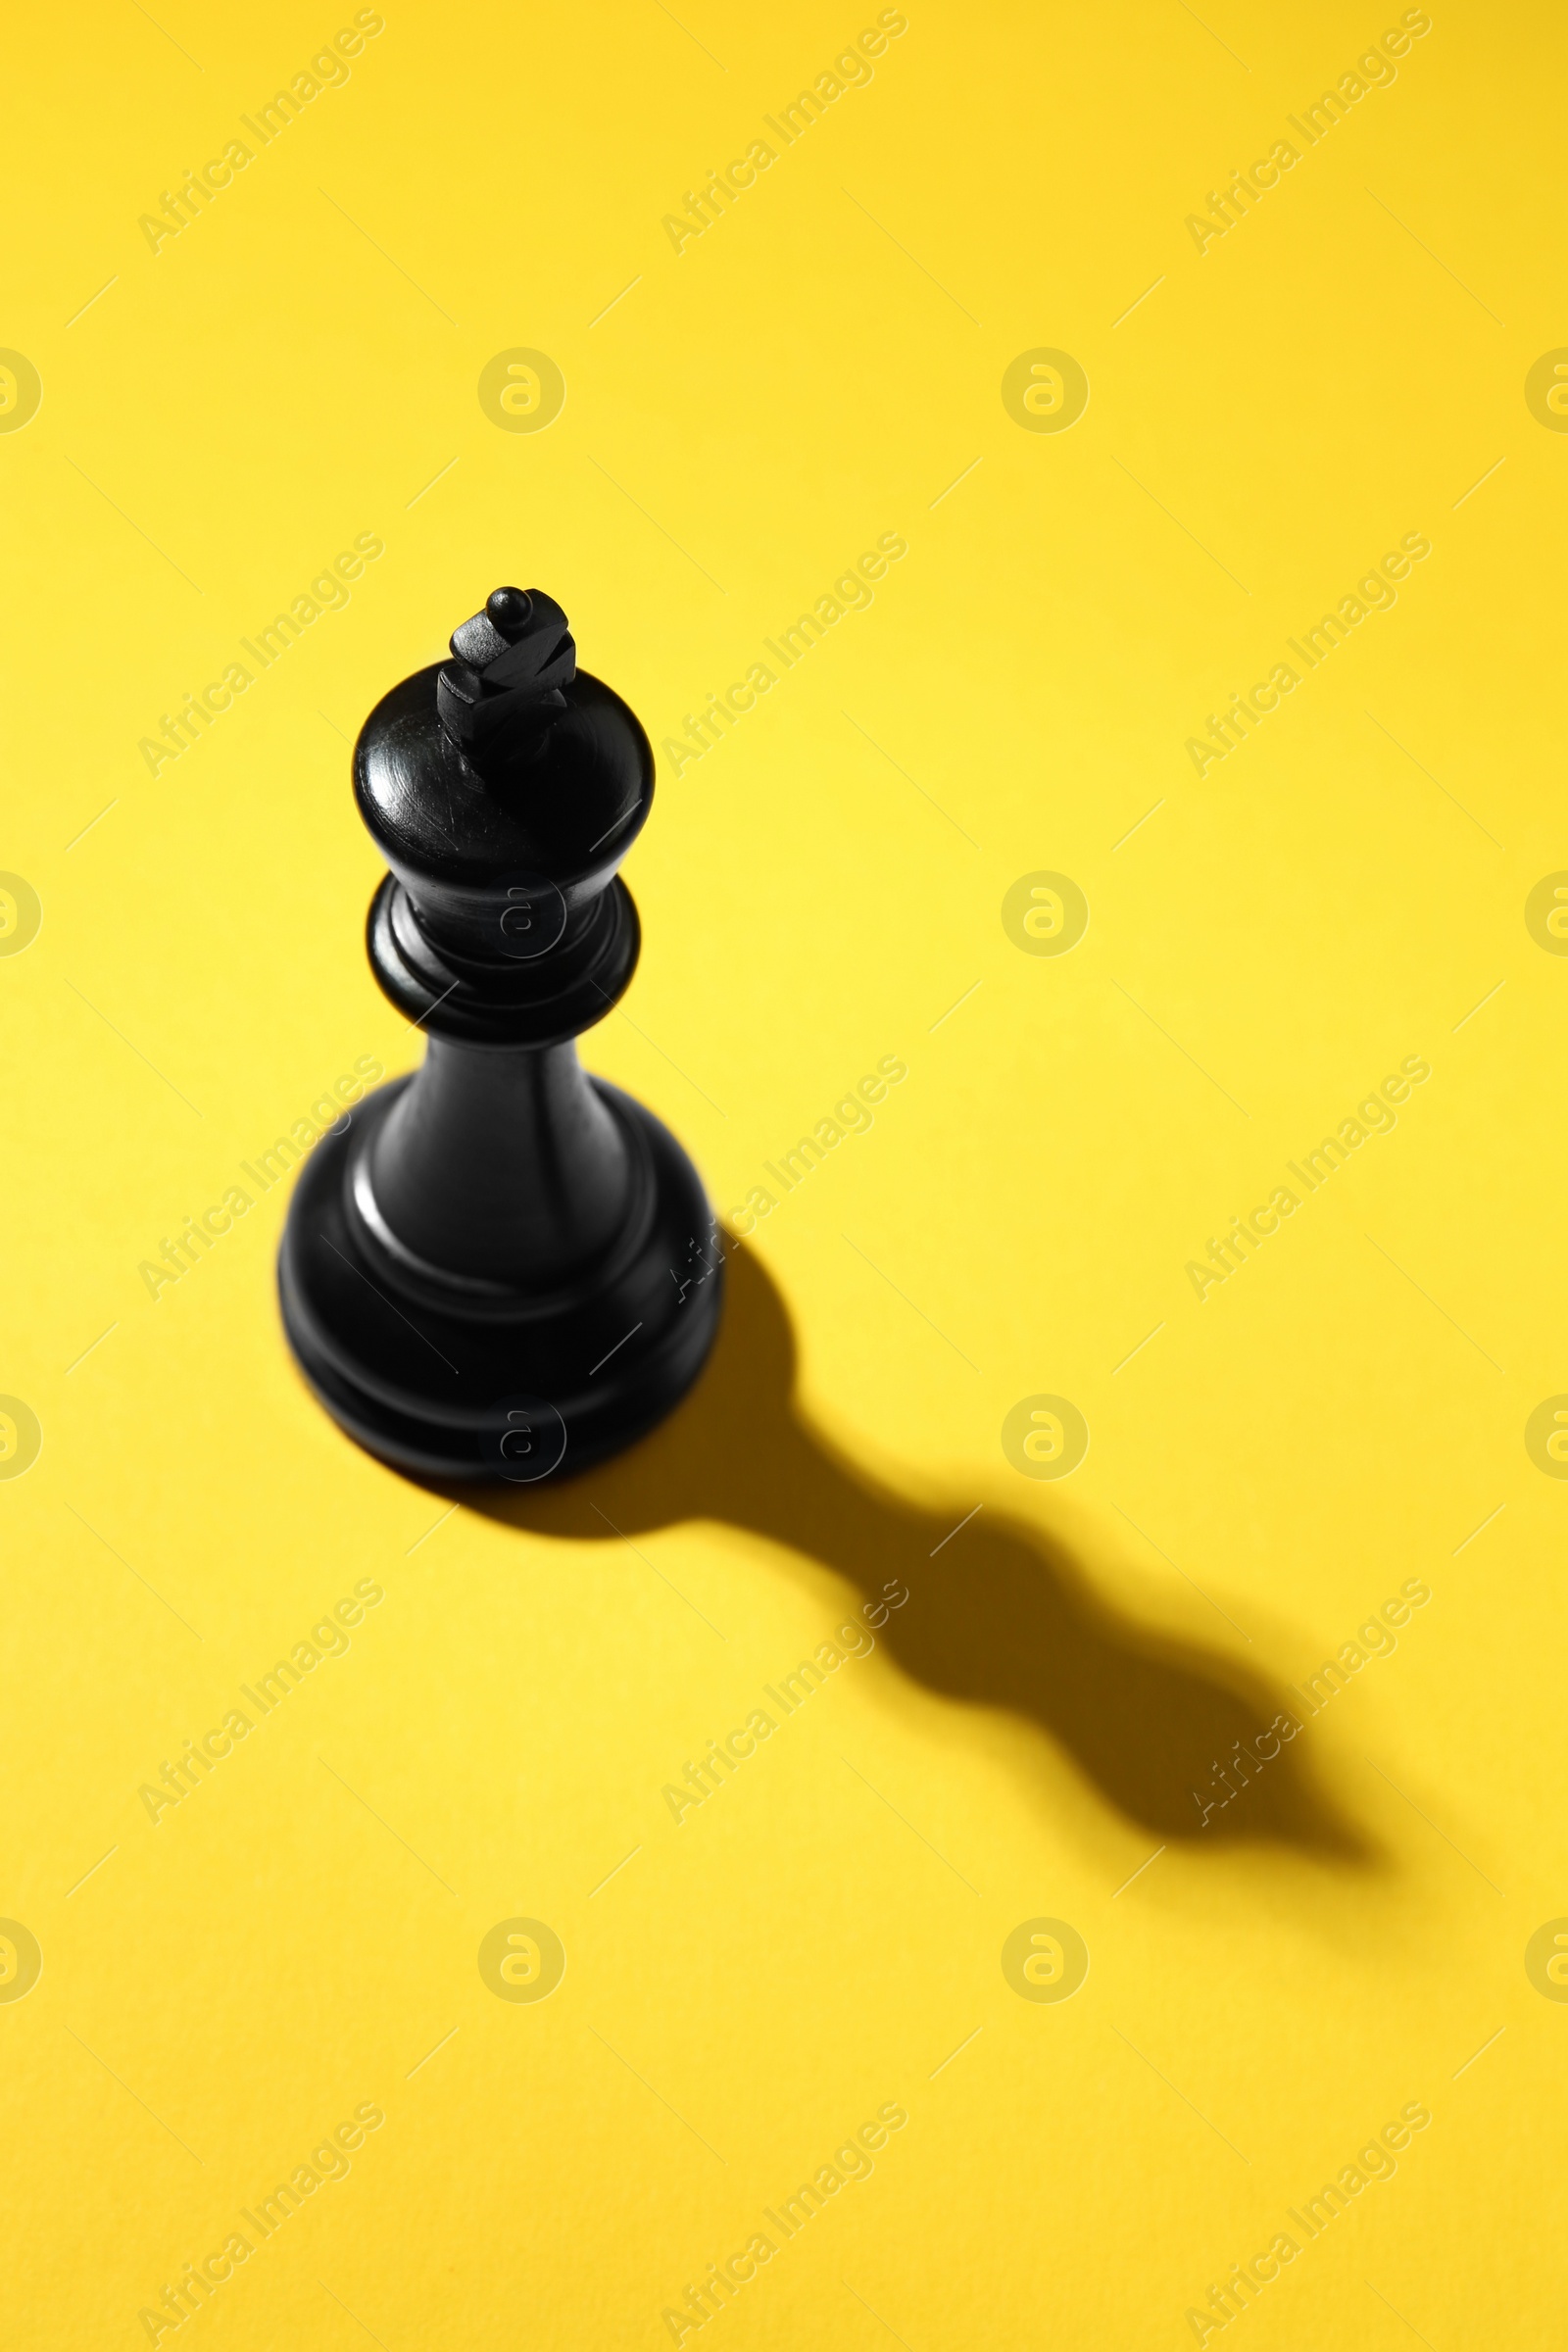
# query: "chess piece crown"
[[509, 663]]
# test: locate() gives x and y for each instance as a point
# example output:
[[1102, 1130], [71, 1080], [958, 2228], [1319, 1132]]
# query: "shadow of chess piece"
[[998, 1613], [499, 1268]]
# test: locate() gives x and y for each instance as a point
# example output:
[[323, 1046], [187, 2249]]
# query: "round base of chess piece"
[[500, 1267], [470, 1379]]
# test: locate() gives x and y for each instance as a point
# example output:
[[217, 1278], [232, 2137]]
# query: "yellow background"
[[298, 366]]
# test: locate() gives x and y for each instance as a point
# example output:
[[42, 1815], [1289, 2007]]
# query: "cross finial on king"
[[511, 662]]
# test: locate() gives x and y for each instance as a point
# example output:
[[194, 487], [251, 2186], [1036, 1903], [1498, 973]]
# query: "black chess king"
[[501, 1268]]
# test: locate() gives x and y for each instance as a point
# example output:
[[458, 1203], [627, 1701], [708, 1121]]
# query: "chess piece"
[[501, 1268]]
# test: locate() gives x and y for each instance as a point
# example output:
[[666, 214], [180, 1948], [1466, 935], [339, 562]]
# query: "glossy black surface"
[[562, 810], [501, 1268], [421, 1362], [540, 1003]]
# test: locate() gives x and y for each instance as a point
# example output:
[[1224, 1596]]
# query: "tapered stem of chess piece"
[[501, 1268]]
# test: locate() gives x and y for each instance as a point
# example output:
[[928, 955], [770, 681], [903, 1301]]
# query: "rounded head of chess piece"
[[501, 1268], [504, 788]]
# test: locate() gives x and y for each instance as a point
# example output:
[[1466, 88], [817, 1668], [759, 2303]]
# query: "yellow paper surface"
[[1141, 947]]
